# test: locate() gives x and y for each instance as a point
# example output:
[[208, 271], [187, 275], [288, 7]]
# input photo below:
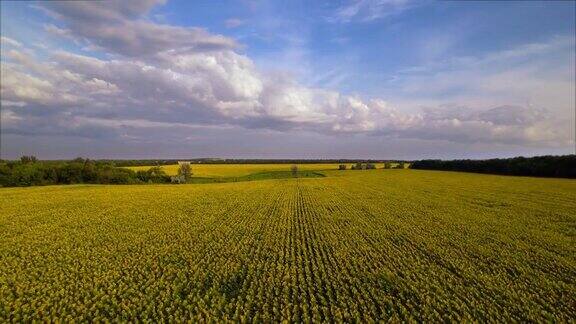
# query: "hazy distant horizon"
[[365, 79], [193, 158]]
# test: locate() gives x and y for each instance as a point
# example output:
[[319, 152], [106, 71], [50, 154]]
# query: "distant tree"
[[342, 167], [156, 171], [28, 171], [28, 159], [116, 176], [185, 170], [157, 175], [399, 165], [294, 169], [142, 175], [89, 172], [370, 166], [387, 165]]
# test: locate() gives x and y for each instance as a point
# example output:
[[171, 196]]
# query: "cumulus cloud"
[[506, 124], [119, 27], [162, 76]]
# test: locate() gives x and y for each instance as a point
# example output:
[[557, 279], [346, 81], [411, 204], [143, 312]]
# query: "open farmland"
[[354, 245], [238, 170]]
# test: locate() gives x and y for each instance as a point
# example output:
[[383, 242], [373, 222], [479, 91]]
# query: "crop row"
[[357, 247]]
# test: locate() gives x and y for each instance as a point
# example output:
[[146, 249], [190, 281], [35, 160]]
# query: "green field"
[[350, 246]]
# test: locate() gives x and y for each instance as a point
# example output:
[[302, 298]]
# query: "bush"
[[357, 166], [153, 175], [28, 159]]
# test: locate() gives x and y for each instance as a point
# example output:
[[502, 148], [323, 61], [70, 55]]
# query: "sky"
[[359, 79]]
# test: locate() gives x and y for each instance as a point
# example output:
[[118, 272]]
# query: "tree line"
[[124, 163], [29, 171], [540, 166]]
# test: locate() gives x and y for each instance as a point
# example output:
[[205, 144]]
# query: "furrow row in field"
[[456, 259], [351, 247]]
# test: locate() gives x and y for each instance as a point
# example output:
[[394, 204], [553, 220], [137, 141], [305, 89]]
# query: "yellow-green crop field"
[[352, 246], [235, 170]]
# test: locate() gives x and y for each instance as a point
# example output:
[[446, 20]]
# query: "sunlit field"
[[233, 170], [456, 204], [351, 246]]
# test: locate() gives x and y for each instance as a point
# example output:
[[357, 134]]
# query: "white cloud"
[[8, 103], [118, 27], [9, 42], [178, 82], [369, 10], [8, 117], [535, 74]]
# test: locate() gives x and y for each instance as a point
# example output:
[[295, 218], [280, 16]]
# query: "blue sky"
[[276, 79], [380, 48]]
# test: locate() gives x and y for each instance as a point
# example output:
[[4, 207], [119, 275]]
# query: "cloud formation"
[[120, 27], [160, 76], [9, 42]]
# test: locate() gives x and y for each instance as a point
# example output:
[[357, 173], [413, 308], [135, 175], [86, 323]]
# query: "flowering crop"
[[354, 246]]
